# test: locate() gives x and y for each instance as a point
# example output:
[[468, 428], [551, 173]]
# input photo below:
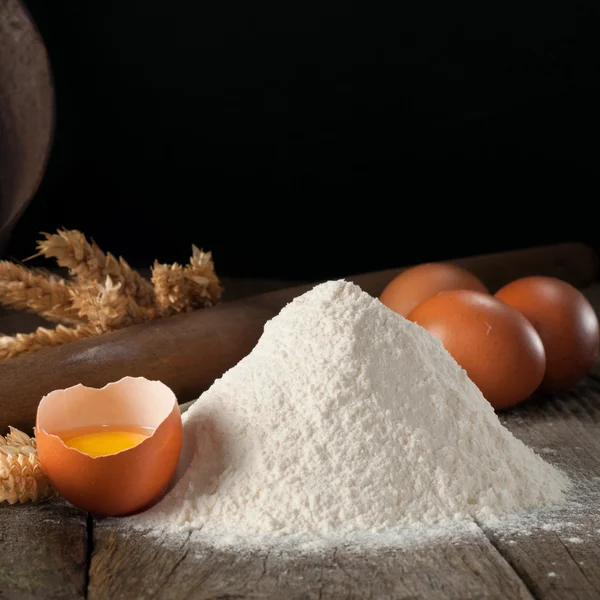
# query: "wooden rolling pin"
[[188, 352]]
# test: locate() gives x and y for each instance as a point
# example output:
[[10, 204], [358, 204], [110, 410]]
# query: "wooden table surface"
[[52, 550]]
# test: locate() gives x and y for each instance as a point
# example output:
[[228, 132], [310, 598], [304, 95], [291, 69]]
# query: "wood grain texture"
[[558, 555], [554, 556], [128, 566], [26, 111], [43, 552], [188, 352]]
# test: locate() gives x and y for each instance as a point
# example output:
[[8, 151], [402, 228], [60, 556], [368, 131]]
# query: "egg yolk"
[[102, 443]]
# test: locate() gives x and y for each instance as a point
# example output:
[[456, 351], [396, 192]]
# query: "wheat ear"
[[45, 294], [21, 476], [206, 289], [179, 289], [23, 343], [89, 264], [107, 308]]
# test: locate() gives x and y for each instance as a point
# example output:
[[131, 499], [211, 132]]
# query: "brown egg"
[[413, 286], [95, 475], [566, 323], [498, 347]]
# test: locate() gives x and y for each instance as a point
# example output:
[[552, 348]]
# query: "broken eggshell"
[[112, 484]]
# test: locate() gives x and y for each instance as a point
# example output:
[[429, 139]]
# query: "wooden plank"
[[44, 552], [557, 554], [126, 565]]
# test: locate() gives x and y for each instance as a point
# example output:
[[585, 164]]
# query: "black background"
[[316, 139]]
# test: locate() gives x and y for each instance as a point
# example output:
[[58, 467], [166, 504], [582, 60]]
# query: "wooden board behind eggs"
[[536, 334]]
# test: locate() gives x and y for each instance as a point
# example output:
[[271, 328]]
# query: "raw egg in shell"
[[415, 285], [110, 451], [494, 343], [566, 322]]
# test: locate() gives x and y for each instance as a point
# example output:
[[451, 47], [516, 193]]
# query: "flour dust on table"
[[347, 419]]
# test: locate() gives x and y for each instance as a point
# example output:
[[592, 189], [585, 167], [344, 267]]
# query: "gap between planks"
[[89, 527]]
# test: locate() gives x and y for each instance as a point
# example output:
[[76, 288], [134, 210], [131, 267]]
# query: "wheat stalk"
[[106, 293], [89, 264], [45, 294], [22, 343], [21, 476]]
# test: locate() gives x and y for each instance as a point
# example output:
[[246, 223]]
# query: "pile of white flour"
[[346, 417]]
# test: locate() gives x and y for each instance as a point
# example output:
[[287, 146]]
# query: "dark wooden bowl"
[[26, 112]]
